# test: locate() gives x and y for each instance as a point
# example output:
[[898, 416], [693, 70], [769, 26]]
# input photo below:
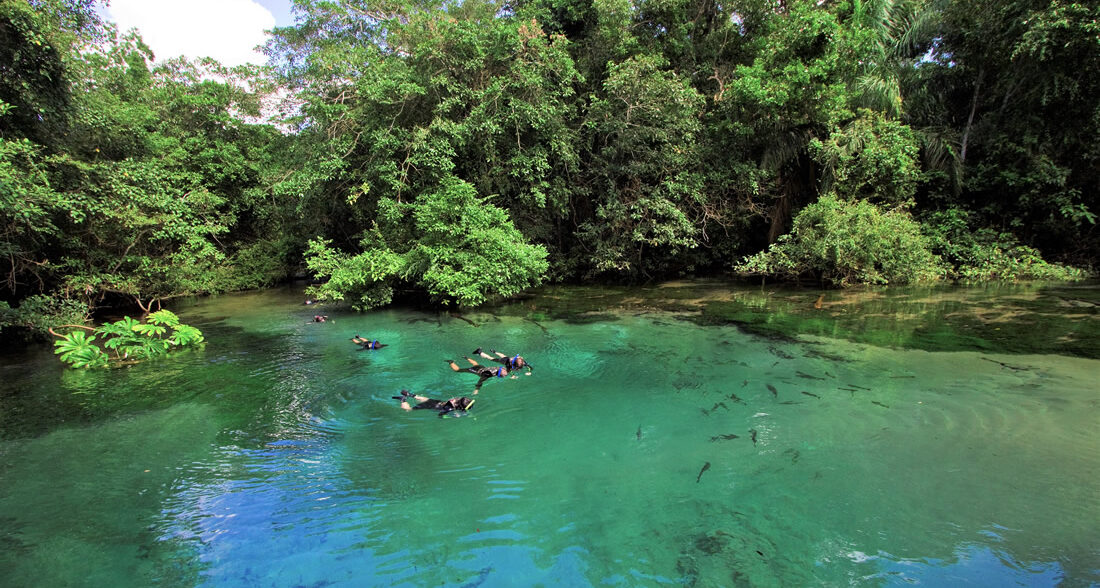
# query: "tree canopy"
[[467, 150]]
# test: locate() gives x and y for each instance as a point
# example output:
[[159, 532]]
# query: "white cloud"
[[226, 30]]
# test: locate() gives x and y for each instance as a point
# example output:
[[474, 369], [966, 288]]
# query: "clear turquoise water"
[[937, 437]]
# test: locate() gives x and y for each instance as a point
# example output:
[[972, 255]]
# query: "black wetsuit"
[[512, 363], [484, 373], [445, 406]]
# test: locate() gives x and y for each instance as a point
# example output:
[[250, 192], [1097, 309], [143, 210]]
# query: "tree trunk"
[[970, 119]]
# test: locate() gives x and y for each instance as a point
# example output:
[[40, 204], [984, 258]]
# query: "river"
[[684, 434]]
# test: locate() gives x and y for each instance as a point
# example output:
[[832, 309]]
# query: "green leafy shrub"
[[984, 254], [871, 158], [128, 339], [449, 243], [35, 314], [847, 243]]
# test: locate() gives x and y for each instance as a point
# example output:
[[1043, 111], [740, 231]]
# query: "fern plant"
[[128, 339]]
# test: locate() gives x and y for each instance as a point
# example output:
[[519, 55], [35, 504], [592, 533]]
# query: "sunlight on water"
[[655, 444]]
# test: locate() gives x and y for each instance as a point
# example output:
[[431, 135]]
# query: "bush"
[[36, 314], [984, 254], [449, 243], [847, 243]]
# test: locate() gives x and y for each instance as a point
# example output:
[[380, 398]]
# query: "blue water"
[[275, 456]]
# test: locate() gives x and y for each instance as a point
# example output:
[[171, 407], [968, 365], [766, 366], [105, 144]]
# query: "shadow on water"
[[997, 318]]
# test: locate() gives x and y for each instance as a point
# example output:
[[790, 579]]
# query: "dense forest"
[[456, 152]]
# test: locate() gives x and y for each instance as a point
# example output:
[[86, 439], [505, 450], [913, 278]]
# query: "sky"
[[227, 30]]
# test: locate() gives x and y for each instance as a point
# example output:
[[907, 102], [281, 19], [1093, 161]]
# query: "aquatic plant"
[[128, 339]]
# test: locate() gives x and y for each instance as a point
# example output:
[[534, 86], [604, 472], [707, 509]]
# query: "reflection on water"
[[686, 434]]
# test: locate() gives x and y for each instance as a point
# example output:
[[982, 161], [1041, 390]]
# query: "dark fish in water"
[[773, 390], [793, 453], [706, 467], [752, 435], [462, 318], [760, 553], [879, 403], [639, 433], [848, 389], [858, 387], [539, 325], [790, 402], [724, 437], [715, 407], [1005, 365], [780, 353], [745, 383], [808, 376], [484, 573], [736, 398], [810, 394]]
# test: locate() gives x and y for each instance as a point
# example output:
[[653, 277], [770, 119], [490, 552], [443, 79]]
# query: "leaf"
[[150, 330], [164, 317]]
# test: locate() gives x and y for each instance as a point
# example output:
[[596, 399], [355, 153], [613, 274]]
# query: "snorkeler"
[[454, 406], [320, 318], [367, 344], [483, 372], [513, 363]]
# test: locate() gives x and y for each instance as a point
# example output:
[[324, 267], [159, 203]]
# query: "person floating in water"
[[320, 318], [514, 363], [366, 344], [483, 372], [453, 406]]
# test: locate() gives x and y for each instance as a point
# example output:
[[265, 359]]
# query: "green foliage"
[[35, 314], [78, 349], [453, 245], [649, 189], [465, 150], [128, 339], [871, 158], [849, 242], [978, 255]]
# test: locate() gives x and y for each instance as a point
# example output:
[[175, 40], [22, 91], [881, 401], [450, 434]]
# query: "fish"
[[790, 402], [879, 403], [745, 383], [715, 407], [1005, 365], [706, 467], [736, 398], [772, 389], [793, 453], [760, 553], [752, 433], [858, 387], [539, 325], [810, 394], [724, 437], [484, 573], [808, 376], [462, 318], [639, 433]]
